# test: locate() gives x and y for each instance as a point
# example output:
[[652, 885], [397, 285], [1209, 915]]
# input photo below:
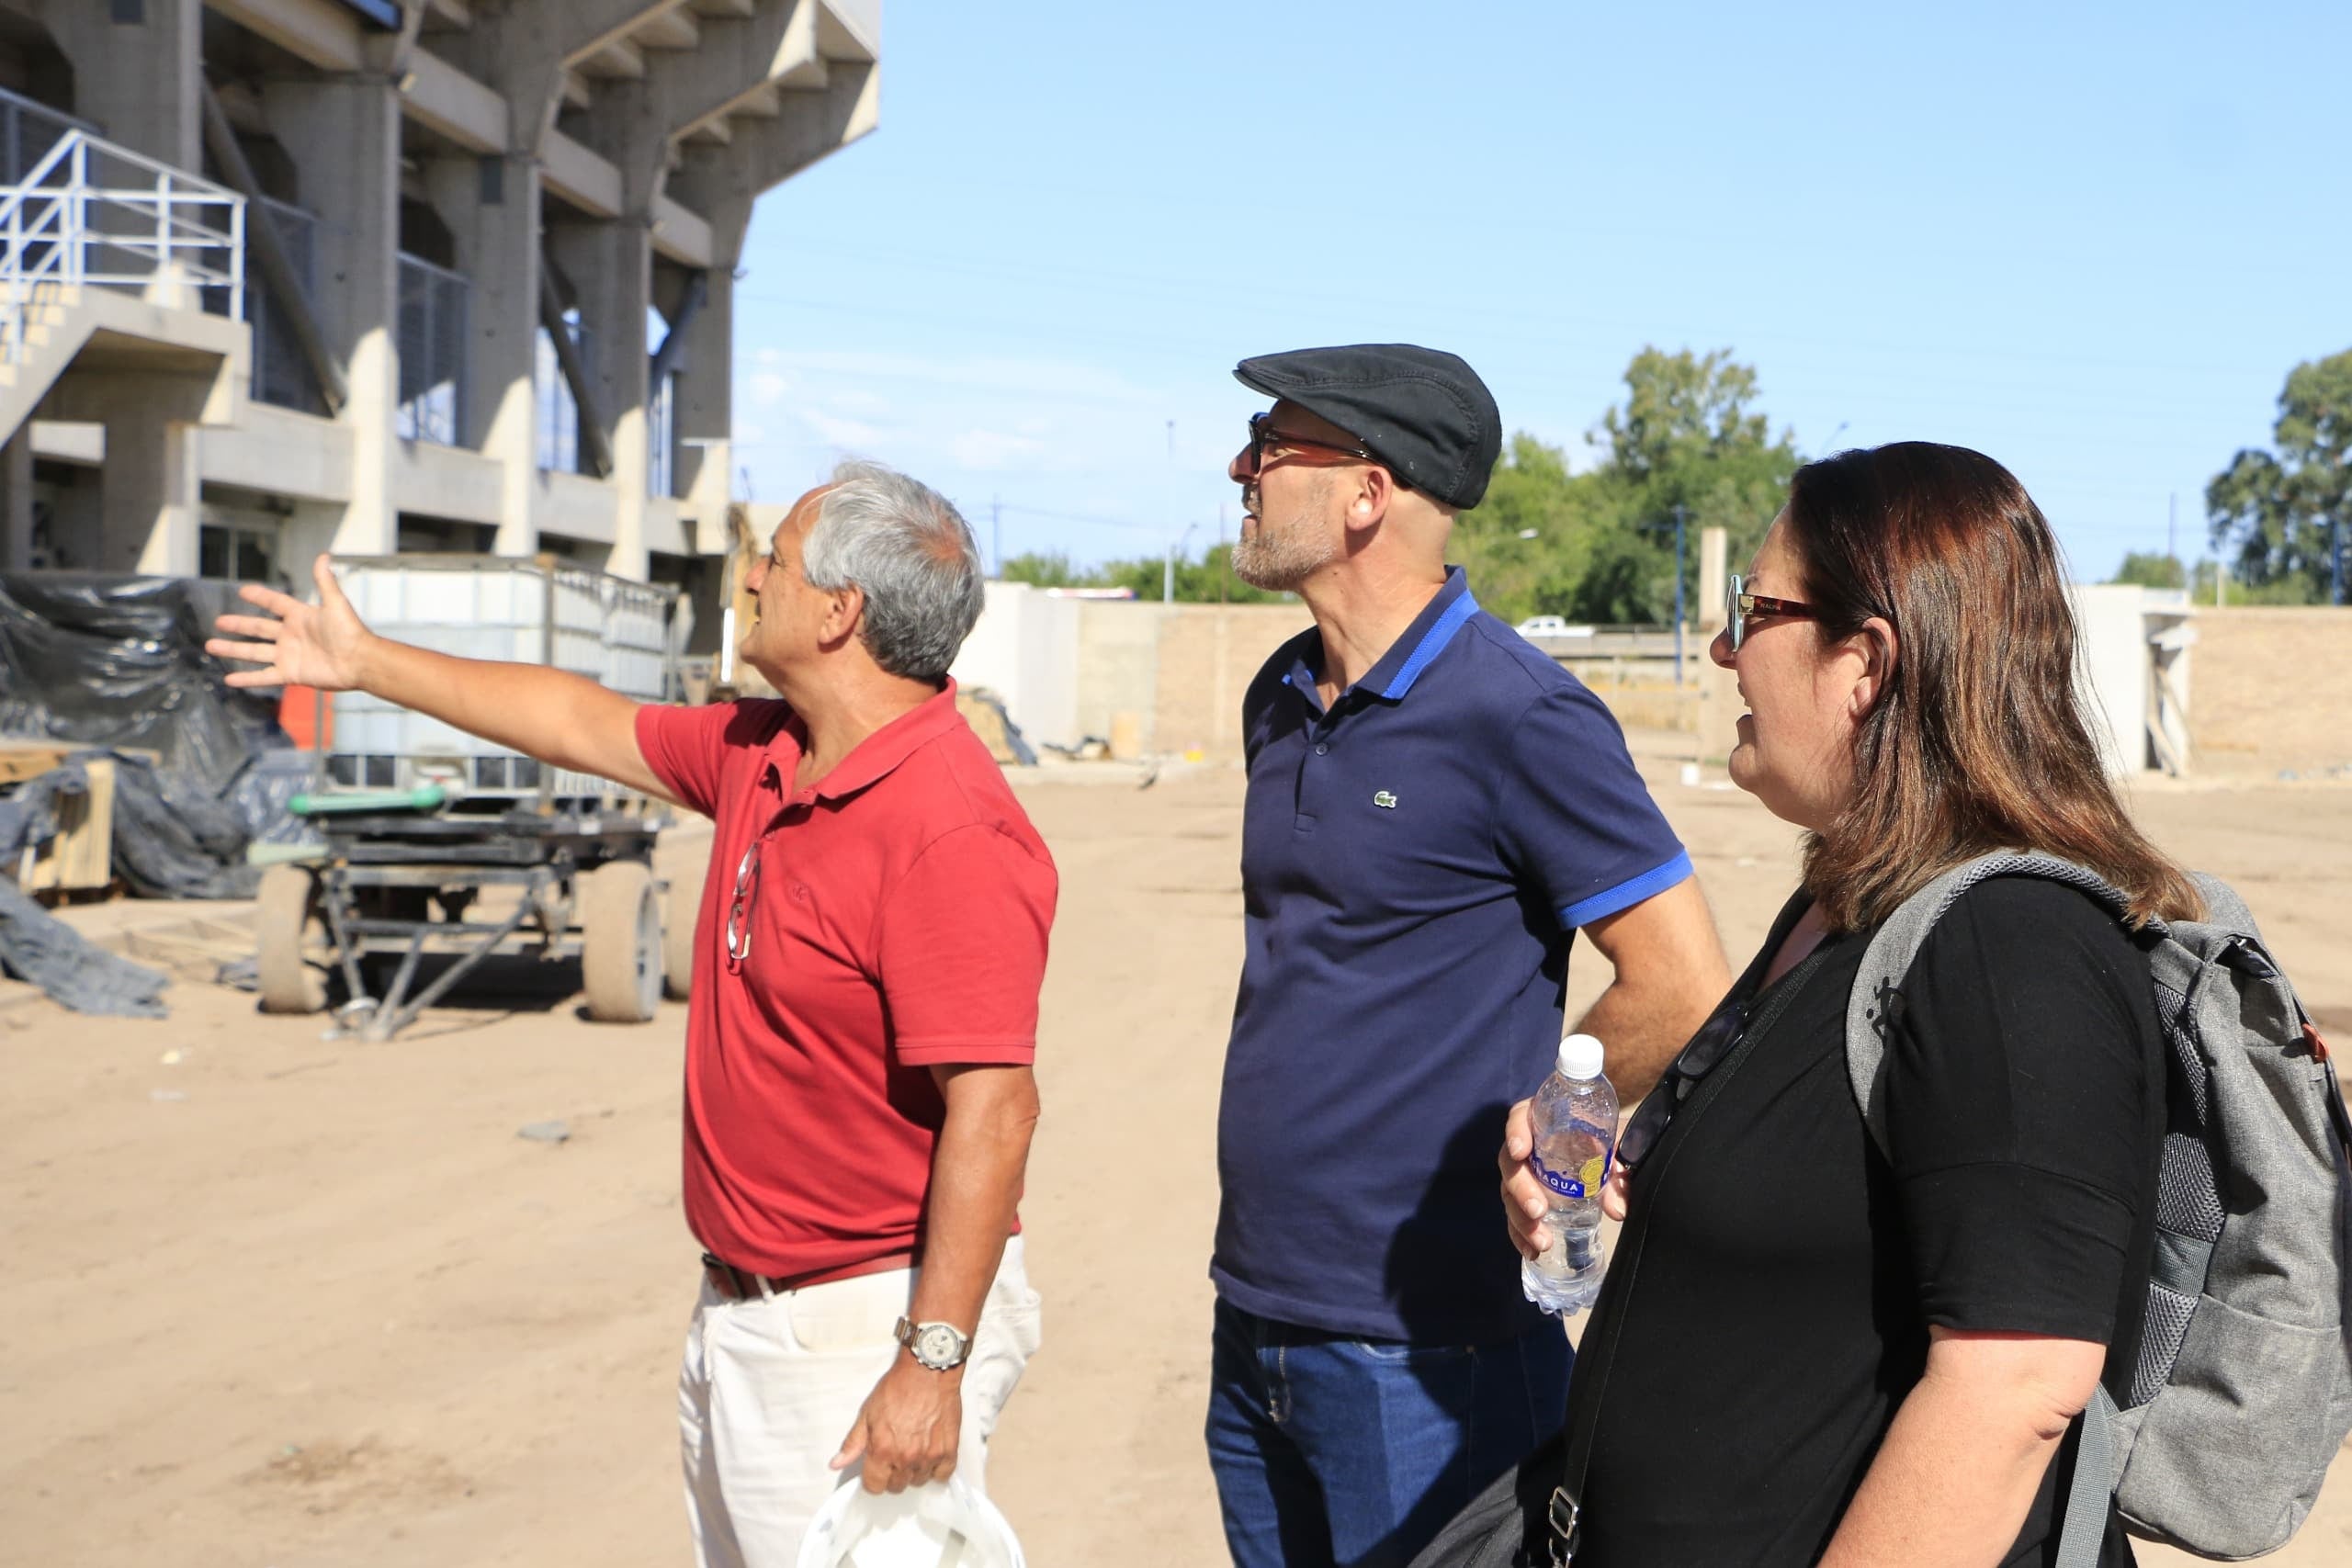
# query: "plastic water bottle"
[[1575, 1123]]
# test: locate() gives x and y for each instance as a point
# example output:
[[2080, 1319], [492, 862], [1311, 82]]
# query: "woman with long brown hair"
[[1824, 1354]]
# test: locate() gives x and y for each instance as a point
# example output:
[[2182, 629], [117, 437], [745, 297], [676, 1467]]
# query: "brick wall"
[[2270, 689], [1208, 655]]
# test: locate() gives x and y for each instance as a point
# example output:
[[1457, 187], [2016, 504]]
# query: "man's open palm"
[[303, 645]]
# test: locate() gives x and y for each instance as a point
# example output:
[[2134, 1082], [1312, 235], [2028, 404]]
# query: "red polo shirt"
[[898, 922]]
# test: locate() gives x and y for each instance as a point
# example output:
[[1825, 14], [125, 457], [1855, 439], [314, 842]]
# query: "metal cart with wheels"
[[437, 842], [399, 885]]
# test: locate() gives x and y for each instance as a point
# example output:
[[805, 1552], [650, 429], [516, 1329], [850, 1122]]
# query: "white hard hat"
[[935, 1526]]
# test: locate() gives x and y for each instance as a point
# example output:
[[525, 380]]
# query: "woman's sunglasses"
[[1724, 1028], [1740, 607]]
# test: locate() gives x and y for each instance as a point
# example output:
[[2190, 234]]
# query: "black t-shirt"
[[1779, 1313]]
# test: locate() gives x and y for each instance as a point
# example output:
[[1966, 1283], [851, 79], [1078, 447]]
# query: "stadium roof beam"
[[682, 94], [669, 30], [723, 182]]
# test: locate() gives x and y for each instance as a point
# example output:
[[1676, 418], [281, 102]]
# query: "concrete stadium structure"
[[375, 276]]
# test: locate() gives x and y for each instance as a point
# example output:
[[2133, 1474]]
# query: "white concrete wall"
[[1026, 649], [2112, 657]]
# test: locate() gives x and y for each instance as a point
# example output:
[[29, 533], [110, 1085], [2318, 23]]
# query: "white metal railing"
[[91, 214]]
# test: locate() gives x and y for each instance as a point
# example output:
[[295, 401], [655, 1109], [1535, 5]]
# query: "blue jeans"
[[1329, 1451]]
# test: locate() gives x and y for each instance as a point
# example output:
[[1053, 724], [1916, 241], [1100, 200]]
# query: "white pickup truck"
[[1550, 626]]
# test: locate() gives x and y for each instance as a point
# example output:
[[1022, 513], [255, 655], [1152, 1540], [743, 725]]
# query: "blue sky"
[[2088, 239]]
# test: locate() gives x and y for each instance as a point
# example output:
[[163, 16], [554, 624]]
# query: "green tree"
[[2149, 569], [1208, 581], [1050, 568], [2273, 514], [2295, 590], [1598, 546]]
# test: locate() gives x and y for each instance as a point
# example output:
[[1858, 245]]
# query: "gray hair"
[[907, 549]]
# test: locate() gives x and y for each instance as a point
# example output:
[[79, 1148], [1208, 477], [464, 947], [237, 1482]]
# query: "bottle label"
[[1583, 1182]]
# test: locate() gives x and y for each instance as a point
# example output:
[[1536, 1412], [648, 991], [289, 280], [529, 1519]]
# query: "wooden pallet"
[[82, 855], [21, 760]]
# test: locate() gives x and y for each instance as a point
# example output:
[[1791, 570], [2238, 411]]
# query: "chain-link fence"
[[281, 372], [434, 312]]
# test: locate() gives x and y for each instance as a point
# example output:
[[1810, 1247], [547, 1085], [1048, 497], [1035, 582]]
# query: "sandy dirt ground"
[[289, 1300]]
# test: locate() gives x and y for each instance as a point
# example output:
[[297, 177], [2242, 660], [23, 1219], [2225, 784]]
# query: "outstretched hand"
[[320, 645]]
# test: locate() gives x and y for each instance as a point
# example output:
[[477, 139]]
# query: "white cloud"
[[768, 388], [769, 356], [844, 433], [991, 450], [750, 433]]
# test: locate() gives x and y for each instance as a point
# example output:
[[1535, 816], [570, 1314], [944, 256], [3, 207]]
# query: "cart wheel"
[[678, 931], [620, 959], [292, 949]]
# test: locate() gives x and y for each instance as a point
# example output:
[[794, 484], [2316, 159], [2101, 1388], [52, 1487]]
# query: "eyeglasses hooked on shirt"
[[739, 910]]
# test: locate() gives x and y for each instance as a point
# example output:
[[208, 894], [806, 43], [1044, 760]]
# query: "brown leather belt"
[[741, 1285]]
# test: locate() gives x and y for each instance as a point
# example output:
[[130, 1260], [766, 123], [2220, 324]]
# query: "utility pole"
[[1167, 577], [1677, 593]]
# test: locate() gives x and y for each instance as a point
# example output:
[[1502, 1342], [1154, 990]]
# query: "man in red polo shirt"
[[872, 938]]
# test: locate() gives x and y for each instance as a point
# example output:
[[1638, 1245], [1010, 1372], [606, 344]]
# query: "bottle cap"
[[1580, 1056]]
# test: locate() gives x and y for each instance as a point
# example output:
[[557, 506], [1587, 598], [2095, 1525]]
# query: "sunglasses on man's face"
[[1264, 437], [1741, 607]]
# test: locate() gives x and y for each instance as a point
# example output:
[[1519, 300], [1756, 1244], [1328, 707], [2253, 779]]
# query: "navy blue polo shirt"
[[1414, 865]]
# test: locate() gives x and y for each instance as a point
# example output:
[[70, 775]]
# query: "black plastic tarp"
[[118, 663], [36, 945], [113, 660]]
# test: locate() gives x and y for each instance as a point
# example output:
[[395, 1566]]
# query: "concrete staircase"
[[63, 326]]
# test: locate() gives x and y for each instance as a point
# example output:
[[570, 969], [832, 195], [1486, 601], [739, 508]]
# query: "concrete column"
[[16, 500], [153, 483], [705, 396], [306, 535], [345, 135], [138, 72], [491, 205], [611, 266]]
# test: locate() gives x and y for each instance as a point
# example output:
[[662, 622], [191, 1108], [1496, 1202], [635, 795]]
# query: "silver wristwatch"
[[942, 1346]]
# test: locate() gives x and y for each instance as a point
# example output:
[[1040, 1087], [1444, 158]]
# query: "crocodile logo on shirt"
[[1385, 800]]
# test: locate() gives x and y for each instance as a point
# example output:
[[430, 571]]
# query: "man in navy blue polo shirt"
[[1435, 809]]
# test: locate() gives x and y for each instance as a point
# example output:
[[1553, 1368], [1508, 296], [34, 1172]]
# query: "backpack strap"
[[1876, 1004], [2083, 1527]]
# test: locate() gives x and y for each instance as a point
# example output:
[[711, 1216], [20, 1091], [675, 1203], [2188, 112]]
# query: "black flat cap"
[[1424, 413]]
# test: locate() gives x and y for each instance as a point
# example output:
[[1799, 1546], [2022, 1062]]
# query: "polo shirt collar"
[[874, 757], [1394, 674]]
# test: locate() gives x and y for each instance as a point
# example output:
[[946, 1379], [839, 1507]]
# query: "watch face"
[[937, 1345]]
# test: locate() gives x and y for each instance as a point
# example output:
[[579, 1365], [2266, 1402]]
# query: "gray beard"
[[1280, 558]]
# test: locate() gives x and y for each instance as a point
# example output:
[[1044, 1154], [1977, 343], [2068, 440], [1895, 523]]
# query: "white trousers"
[[770, 1387]]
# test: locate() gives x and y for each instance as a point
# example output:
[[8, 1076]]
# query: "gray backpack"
[[2242, 1391]]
